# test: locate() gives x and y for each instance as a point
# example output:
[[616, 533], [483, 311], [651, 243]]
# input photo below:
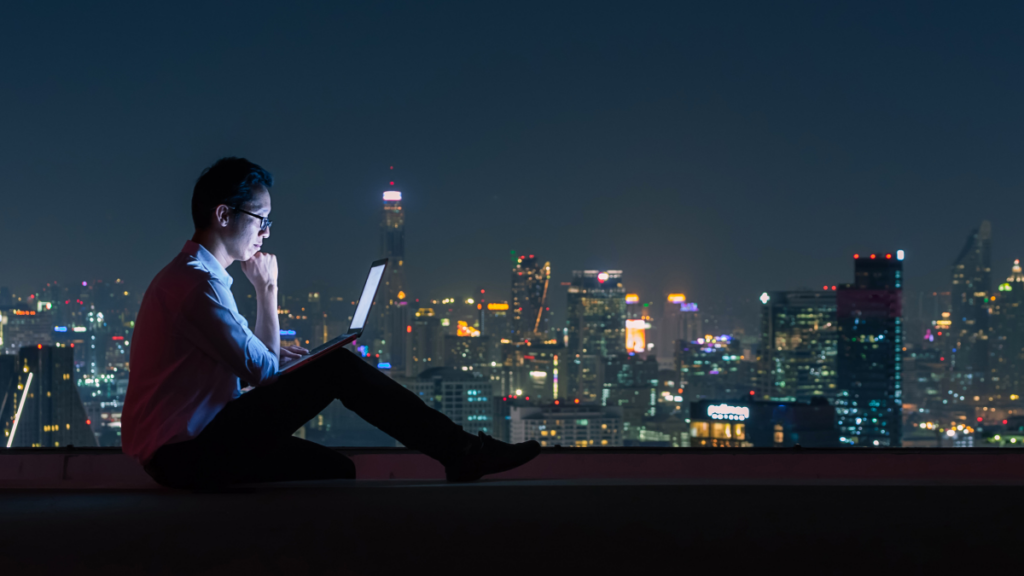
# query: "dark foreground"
[[629, 527]]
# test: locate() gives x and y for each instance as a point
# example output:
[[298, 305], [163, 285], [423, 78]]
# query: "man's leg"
[[401, 414], [193, 464]]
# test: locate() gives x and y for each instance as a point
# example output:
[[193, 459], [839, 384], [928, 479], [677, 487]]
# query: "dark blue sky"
[[721, 149]]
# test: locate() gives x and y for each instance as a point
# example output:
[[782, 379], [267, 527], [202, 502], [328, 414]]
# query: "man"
[[186, 418]]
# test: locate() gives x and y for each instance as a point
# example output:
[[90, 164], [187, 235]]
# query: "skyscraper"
[[1008, 330], [712, 368], [391, 325], [870, 344], [494, 321], [596, 328], [972, 286], [798, 344], [679, 321], [43, 408], [530, 284], [424, 343]]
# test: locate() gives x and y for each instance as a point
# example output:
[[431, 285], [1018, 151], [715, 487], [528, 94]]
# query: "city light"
[[602, 277], [497, 306], [632, 298], [392, 196], [899, 254], [677, 298], [764, 298]]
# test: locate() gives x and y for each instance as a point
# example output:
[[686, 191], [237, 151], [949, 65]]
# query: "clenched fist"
[[261, 270]]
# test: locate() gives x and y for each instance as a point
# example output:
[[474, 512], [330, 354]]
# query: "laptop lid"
[[366, 298]]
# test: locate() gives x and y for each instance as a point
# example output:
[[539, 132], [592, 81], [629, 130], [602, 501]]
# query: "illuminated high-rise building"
[[972, 287], [42, 408], [495, 321], [638, 325], [797, 357], [533, 371], [531, 282], [680, 320], [596, 327], [1008, 342], [390, 338], [870, 350], [424, 343]]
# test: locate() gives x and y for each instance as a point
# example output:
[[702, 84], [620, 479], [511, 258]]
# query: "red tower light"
[[888, 256], [856, 256], [872, 256]]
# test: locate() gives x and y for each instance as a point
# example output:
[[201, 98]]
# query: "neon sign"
[[726, 412]]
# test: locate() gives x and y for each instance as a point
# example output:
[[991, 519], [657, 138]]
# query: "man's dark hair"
[[230, 181]]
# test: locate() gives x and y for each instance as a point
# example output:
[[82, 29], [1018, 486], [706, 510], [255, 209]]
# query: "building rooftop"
[[599, 511]]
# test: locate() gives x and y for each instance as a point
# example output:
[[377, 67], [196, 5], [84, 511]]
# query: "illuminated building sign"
[[689, 307], [497, 306], [392, 196], [287, 332], [726, 412], [632, 298], [602, 277], [635, 339], [24, 312], [60, 328], [677, 298]]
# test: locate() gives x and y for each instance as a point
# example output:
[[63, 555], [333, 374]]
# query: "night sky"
[[719, 149]]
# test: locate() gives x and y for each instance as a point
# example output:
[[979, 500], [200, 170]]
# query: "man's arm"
[[261, 270], [268, 328], [219, 331]]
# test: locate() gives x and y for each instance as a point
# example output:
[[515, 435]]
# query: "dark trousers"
[[251, 440]]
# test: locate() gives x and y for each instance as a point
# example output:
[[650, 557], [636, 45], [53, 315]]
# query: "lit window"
[[700, 429], [721, 430]]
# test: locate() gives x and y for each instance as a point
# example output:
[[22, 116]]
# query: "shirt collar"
[[209, 260]]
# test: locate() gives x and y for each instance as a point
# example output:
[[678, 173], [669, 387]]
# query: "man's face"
[[244, 236]]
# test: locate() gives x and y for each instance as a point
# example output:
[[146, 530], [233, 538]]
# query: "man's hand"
[[290, 353], [261, 270]]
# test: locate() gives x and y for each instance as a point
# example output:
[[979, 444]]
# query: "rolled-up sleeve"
[[222, 333]]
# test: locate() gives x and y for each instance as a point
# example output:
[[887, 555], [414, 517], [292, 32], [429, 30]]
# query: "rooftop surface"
[[568, 512]]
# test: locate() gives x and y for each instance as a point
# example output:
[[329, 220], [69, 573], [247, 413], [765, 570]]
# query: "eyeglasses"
[[264, 222]]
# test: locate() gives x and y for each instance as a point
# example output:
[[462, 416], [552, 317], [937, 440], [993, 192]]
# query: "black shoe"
[[490, 456]]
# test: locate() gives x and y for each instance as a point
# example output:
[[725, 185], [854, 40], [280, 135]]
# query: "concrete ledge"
[[110, 469]]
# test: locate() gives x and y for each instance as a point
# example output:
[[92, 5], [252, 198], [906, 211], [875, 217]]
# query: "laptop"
[[355, 329]]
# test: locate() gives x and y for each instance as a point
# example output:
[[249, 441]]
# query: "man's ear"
[[222, 215]]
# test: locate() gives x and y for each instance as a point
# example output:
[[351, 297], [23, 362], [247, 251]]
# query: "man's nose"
[[265, 232]]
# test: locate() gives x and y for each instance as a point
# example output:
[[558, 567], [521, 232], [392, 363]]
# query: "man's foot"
[[490, 456]]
